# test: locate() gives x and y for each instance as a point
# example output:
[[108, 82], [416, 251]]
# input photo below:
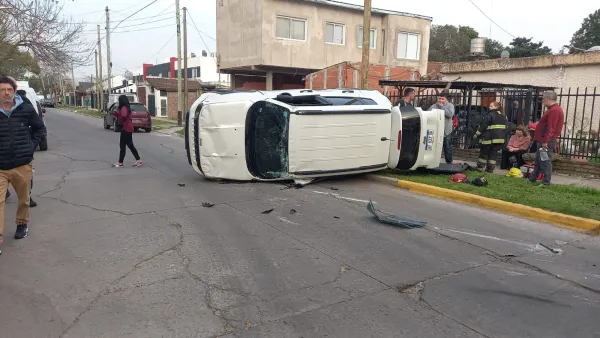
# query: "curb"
[[536, 214]]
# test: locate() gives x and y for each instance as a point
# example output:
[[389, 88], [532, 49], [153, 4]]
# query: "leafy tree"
[[523, 47], [588, 35], [14, 62], [493, 48], [449, 43]]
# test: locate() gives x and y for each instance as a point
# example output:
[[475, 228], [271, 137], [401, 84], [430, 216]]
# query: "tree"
[[588, 35], [16, 63], [522, 47], [449, 43], [493, 48], [38, 27]]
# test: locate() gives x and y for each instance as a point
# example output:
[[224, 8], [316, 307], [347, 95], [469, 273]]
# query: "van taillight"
[[399, 139]]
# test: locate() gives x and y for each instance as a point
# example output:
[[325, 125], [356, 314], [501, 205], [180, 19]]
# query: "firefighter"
[[492, 136]]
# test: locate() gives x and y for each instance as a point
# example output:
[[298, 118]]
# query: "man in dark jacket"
[[546, 135], [16, 150]]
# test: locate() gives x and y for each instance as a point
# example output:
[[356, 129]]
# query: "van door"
[[329, 140]]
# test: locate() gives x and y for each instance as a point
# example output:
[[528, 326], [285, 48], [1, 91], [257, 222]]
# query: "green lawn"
[[571, 200], [180, 132], [83, 111]]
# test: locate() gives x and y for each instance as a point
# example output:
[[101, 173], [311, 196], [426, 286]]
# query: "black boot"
[[32, 203]]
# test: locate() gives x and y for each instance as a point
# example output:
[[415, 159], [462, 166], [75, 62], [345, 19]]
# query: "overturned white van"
[[305, 134]]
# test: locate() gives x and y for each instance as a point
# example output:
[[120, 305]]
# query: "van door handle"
[[385, 139]]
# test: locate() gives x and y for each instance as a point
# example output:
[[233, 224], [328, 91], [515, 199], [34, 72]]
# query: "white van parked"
[[114, 98], [305, 134]]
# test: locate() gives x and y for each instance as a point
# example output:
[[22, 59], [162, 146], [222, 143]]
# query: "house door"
[[152, 105]]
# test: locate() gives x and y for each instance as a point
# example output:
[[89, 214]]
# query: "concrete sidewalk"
[[556, 178]]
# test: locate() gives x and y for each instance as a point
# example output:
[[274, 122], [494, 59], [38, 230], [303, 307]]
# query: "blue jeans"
[[448, 148]]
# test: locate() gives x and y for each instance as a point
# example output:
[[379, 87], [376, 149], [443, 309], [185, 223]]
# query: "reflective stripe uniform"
[[492, 133]]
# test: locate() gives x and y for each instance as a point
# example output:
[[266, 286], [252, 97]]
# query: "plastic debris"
[[207, 204], [334, 188], [336, 217], [393, 220], [293, 211], [554, 251], [268, 211], [181, 184]]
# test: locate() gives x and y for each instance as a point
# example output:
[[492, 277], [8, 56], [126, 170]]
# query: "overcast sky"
[[553, 24]]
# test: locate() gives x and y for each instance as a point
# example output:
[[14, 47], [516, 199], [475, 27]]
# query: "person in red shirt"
[[546, 135], [126, 140]]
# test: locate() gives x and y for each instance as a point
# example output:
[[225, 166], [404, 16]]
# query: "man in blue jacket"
[[20, 128]]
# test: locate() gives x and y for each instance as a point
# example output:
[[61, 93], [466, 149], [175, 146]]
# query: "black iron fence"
[[579, 138]]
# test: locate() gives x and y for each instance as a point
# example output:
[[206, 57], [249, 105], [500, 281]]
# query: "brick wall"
[[330, 77], [173, 103], [560, 165]]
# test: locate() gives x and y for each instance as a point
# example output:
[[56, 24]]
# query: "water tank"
[[505, 54], [477, 46]]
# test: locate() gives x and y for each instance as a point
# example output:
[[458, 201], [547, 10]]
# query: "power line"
[[136, 25], [163, 47], [492, 21], [100, 22], [204, 42], [141, 9], [133, 30]]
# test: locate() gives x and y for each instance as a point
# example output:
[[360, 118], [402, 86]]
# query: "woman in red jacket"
[[126, 140]]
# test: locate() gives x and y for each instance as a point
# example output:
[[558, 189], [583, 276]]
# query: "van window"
[[267, 140], [342, 101], [411, 138]]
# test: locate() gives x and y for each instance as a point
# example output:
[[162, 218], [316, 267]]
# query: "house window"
[[334, 33], [290, 28], [408, 46], [373, 37], [163, 93]]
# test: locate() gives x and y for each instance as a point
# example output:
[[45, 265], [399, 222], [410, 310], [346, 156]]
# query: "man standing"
[[407, 97], [546, 135], [16, 150], [448, 108]]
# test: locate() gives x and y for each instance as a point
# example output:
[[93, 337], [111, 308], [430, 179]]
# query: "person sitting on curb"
[[492, 133], [518, 145]]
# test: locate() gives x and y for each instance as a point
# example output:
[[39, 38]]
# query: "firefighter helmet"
[[480, 181], [515, 172]]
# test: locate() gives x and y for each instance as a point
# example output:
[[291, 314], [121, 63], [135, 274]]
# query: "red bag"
[[454, 121]]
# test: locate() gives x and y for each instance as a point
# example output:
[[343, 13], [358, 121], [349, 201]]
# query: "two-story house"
[[274, 44]]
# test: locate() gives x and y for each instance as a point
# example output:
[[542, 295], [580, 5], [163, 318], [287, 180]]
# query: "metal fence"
[[581, 106]]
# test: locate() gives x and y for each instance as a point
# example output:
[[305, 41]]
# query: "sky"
[[145, 39]]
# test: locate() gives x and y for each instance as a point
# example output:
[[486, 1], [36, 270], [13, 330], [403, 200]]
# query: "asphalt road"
[[129, 252]]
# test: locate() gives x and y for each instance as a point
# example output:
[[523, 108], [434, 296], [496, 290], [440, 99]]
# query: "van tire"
[[148, 130], [115, 126], [44, 144], [106, 126]]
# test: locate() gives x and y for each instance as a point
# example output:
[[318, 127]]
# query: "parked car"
[[140, 117], [48, 103], [305, 134]]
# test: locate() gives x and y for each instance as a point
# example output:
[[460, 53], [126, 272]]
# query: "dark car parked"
[[140, 116], [48, 103]]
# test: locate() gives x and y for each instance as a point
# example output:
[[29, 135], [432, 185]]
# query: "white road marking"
[[531, 246], [283, 219], [341, 197]]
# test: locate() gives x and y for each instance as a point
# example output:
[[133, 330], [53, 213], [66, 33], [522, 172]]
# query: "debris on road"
[[336, 217], [181, 184], [393, 220], [334, 188], [292, 211], [554, 251], [207, 204], [268, 211]]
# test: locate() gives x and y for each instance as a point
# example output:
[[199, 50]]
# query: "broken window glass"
[[267, 140]]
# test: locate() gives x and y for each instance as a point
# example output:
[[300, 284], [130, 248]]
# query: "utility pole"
[[108, 58], [179, 98], [366, 45], [74, 87], [99, 65], [185, 60], [97, 87]]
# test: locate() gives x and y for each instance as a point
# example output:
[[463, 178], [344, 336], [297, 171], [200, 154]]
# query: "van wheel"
[[44, 144], [148, 129], [115, 126], [106, 126]]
